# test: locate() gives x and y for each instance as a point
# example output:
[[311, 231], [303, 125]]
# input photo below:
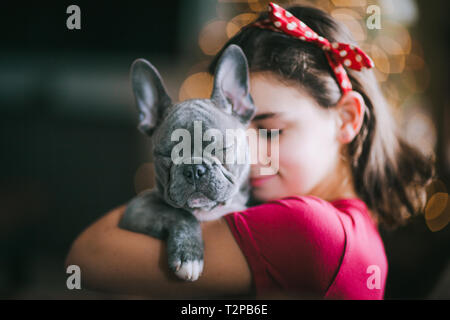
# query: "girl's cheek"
[[293, 156], [261, 151]]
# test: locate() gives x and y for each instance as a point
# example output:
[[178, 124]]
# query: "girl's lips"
[[257, 181]]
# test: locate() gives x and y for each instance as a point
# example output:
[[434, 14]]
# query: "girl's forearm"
[[99, 252], [119, 261]]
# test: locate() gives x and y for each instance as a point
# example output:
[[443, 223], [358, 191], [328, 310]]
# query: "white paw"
[[189, 270]]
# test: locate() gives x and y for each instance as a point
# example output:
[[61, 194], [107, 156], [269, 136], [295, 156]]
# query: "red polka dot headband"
[[338, 54]]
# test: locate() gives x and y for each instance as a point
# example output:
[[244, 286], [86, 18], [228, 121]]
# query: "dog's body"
[[204, 187]]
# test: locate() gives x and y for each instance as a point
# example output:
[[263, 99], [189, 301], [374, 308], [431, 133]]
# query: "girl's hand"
[[119, 261]]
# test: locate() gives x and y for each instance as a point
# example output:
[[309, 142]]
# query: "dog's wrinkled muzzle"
[[200, 182]]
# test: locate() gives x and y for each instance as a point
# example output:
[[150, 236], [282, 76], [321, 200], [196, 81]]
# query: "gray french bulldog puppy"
[[188, 192]]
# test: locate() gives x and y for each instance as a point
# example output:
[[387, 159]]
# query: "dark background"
[[70, 148]]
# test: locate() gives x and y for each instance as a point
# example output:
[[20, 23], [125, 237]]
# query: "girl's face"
[[308, 150]]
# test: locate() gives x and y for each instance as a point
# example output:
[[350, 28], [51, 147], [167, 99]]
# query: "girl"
[[343, 170]]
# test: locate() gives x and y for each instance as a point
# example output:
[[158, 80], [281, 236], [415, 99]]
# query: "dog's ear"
[[231, 84], [151, 96]]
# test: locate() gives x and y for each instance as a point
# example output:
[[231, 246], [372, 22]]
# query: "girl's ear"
[[350, 109]]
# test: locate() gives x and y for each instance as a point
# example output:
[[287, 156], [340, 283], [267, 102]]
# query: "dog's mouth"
[[198, 200], [203, 194]]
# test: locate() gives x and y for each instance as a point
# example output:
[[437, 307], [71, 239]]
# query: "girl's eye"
[[271, 133], [274, 133]]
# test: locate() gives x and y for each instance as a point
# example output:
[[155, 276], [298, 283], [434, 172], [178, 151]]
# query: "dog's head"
[[198, 144]]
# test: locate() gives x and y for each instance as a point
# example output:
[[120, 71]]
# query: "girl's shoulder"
[[308, 213], [277, 237], [312, 211]]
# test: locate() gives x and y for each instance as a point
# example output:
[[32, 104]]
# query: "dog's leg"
[[148, 214], [185, 248]]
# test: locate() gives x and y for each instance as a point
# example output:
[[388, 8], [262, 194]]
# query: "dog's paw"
[[186, 259], [189, 270], [185, 250]]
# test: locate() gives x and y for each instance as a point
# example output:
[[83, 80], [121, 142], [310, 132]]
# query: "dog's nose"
[[194, 171]]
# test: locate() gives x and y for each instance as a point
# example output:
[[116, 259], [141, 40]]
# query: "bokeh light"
[[437, 212], [352, 20], [144, 177], [435, 187], [404, 11], [420, 131], [212, 37], [197, 85], [238, 22], [380, 58], [349, 3], [256, 5], [399, 33], [416, 82], [394, 53], [436, 205]]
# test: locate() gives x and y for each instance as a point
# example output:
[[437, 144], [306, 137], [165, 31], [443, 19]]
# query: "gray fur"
[[168, 211]]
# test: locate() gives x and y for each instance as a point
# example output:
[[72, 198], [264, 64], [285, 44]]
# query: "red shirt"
[[306, 245]]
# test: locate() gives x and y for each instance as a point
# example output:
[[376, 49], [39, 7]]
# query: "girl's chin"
[[267, 192], [264, 196]]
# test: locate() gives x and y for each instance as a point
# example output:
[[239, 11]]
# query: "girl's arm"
[[120, 261]]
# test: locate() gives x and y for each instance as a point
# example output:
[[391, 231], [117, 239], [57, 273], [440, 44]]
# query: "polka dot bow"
[[338, 54]]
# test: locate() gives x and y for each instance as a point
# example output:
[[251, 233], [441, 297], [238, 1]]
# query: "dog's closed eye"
[[223, 149], [221, 153]]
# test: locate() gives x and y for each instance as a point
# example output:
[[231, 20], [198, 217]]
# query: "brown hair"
[[389, 175]]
